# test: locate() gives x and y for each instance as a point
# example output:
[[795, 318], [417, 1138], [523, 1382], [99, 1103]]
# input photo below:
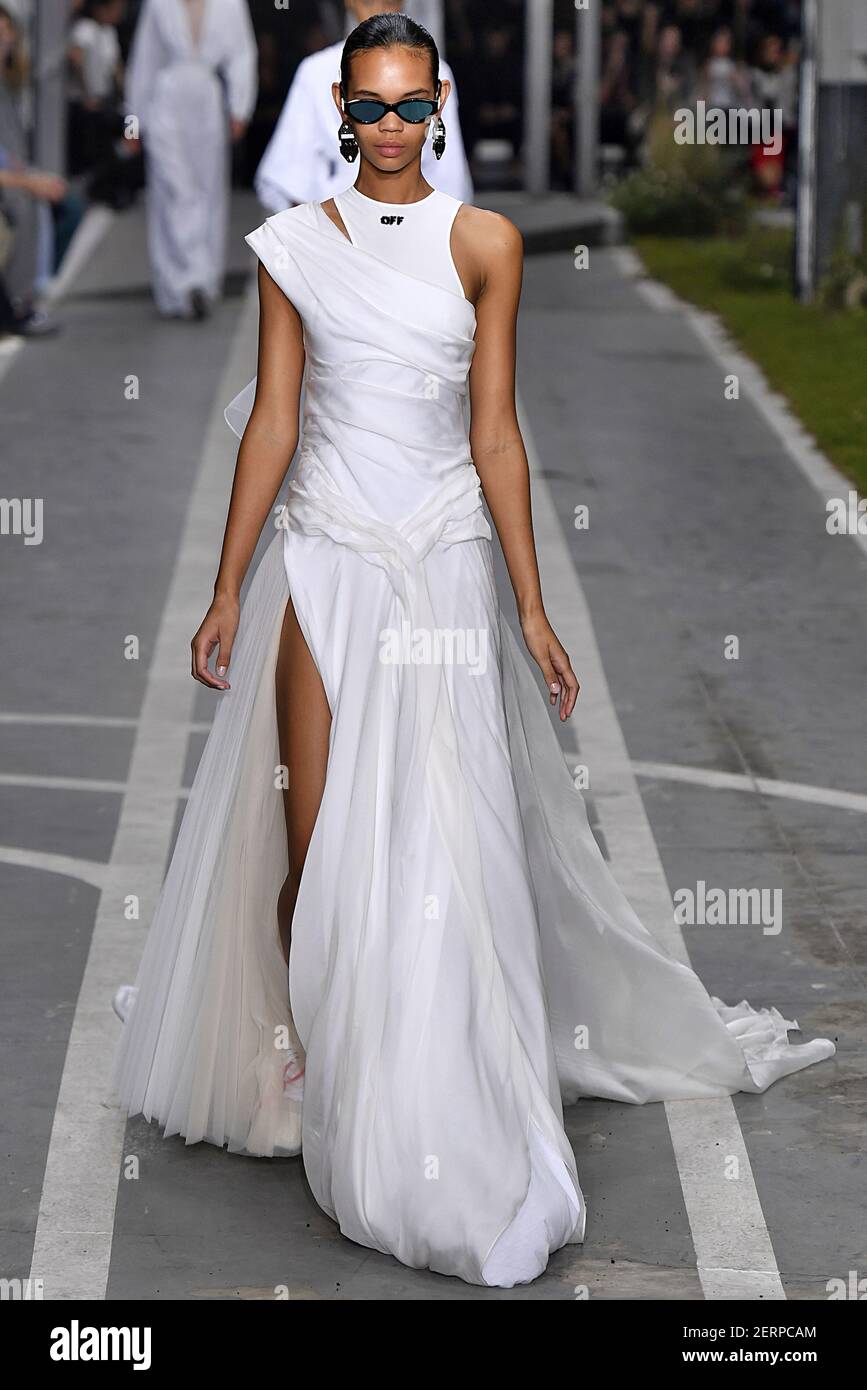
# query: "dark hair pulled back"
[[388, 31]]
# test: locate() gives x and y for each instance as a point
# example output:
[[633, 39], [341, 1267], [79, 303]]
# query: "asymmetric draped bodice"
[[386, 393]]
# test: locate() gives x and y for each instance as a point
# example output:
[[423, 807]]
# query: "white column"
[[539, 32], [588, 42], [805, 236], [49, 27]]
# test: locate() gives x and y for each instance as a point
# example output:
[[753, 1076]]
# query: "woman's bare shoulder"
[[482, 227], [489, 239]]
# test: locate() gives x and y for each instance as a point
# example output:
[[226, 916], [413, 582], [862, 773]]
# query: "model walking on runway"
[[382, 799]]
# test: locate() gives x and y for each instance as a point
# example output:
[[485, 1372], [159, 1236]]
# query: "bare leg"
[[303, 726]]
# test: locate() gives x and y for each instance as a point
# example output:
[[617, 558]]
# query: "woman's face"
[[669, 42], [390, 75], [771, 50], [721, 44]]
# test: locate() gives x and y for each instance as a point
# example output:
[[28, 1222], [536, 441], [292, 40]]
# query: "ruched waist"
[[452, 512], [385, 374]]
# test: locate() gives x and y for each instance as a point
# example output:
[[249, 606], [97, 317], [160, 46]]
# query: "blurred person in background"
[[751, 20], [775, 88], [618, 98], [499, 84], [562, 109], [269, 104], [95, 83], [191, 84], [302, 162], [283, 44], [7, 311], [723, 82], [696, 20], [639, 21], [663, 79], [96, 144], [671, 77], [38, 210], [8, 324]]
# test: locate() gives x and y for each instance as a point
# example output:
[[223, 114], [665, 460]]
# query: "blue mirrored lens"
[[366, 111], [414, 111]]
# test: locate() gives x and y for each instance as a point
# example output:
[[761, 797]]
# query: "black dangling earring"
[[439, 138], [348, 143]]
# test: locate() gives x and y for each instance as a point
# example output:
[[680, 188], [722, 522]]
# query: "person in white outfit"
[[191, 84], [302, 163], [390, 972]]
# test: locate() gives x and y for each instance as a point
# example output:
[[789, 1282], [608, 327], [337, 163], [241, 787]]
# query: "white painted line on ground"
[[800, 446], [72, 1248], [9, 350], [86, 238], [78, 784], [762, 786], [96, 721], [659, 296], [73, 720], [87, 870], [734, 1255], [61, 784], [629, 263]]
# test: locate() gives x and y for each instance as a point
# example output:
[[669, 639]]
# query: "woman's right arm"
[[266, 451]]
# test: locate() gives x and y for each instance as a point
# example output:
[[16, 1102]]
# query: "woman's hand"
[[218, 629], [48, 188], [553, 662]]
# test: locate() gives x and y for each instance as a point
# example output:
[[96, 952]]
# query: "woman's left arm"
[[499, 454]]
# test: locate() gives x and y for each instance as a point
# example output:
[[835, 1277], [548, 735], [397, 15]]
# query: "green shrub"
[[684, 190], [656, 203]]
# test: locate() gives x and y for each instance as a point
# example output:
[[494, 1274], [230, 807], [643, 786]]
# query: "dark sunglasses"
[[368, 112]]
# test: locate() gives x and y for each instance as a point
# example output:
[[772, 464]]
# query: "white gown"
[[181, 92], [456, 927]]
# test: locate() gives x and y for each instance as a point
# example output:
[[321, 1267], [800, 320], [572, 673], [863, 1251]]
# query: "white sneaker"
[[123, 1000]]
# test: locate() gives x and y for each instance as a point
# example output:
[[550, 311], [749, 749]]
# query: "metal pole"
[[50, 22], [539, 33], [805, 237], [588, 46]]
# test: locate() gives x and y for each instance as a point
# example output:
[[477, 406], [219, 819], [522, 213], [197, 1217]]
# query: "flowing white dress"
[[462, 959]]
